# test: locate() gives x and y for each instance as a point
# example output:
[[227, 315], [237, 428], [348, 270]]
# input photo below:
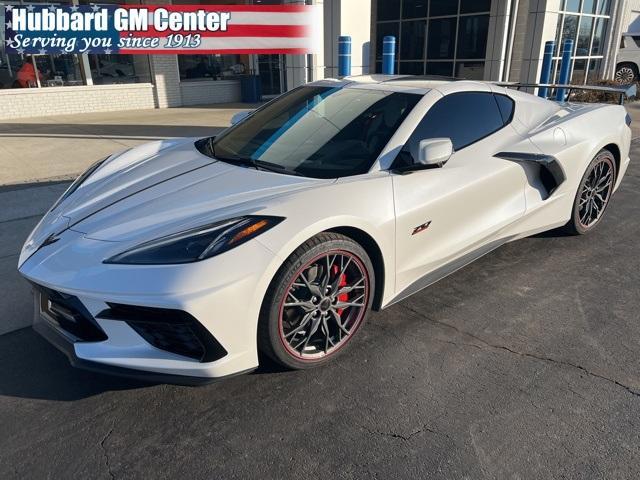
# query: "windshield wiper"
[[257, 164], [274, 167]]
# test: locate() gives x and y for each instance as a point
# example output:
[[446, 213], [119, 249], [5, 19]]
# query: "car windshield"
[[319, 132]]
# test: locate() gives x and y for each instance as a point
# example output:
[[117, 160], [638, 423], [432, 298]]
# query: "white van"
[[628, 62]]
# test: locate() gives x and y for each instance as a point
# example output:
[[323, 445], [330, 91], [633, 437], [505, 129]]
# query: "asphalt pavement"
[[523, 365]]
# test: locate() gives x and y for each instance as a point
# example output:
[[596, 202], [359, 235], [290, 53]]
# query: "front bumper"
[[62, 343], [223, 293]]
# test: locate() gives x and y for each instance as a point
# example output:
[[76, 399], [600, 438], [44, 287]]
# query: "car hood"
[[158, 189]]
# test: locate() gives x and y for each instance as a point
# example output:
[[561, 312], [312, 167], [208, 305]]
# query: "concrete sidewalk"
[[60, 147]]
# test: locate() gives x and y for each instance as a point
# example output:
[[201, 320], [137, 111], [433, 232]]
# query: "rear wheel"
[[593, 194], [317, 302]]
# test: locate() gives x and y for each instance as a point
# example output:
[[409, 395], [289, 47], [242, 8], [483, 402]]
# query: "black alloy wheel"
[[317, 302], [593, 194]]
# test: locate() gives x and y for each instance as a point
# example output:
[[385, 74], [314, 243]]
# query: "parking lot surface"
[[525, 364]]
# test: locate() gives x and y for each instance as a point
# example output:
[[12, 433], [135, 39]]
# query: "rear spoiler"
[[627, 91]]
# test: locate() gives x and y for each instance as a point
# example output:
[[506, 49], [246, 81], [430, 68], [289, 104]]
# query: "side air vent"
[[551, 173]]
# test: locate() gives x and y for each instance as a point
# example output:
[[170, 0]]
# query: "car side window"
[[506, 106], [464, 117]]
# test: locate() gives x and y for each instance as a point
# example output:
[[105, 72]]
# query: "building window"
[[443, 7], [33, 71], [411, 68], [571, 5], [388, 10], [413, 9], [62, 70], [10, 65], [442, 38], [383, 30], [110, 69], [435, 37], [40, 71], [55, 70], [211, 67], [472, 36], [59, 70], [585, 22], [413, 40]]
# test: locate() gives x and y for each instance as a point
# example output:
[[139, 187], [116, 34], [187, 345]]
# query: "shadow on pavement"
[[555, 233], [62, 183], [32, 368]]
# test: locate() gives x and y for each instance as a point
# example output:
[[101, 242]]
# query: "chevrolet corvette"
[[182, 260]]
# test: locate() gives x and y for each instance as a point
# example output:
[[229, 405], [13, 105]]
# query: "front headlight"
[[198, 243]]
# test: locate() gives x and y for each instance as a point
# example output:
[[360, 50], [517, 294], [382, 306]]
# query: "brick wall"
[[167, 80], [21, 103], [199, 93], [515, 74]]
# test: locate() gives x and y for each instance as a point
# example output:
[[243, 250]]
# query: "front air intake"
[[171, 330], [68, 314]]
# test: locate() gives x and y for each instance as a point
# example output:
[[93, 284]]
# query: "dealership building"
[[500, 40]]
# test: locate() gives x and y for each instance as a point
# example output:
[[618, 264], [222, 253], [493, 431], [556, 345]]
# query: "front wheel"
[[317, 302], [594, 194]]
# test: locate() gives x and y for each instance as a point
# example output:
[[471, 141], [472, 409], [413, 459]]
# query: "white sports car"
[[180, 260]]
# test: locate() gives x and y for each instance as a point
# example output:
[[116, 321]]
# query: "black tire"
[[279, 319], [577, 225], [626, 73]]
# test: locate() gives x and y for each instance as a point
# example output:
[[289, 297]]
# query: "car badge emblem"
[[421, 228]]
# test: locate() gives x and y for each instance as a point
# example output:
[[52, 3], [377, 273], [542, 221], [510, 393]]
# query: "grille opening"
[[69, 314]]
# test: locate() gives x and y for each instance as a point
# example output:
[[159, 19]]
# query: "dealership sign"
[[128, 29]]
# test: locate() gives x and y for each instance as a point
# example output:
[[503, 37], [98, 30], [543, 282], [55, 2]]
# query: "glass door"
[[271, 70]]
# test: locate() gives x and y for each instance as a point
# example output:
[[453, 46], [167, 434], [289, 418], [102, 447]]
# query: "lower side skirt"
[[446, 270]]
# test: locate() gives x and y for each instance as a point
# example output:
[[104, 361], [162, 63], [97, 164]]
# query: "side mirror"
[[435, 151], [240, 116]]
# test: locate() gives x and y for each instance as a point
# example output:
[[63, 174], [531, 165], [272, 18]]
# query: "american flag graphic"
[[283, 29]]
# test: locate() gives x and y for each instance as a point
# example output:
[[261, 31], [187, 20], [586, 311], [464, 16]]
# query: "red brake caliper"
[[343, 297]]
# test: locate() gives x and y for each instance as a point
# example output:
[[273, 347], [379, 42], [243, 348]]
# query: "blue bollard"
[[344, 56], [565, 68], [545, 74], [388, 55]]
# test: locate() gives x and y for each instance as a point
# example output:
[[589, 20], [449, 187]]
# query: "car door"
[[448, 215]]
